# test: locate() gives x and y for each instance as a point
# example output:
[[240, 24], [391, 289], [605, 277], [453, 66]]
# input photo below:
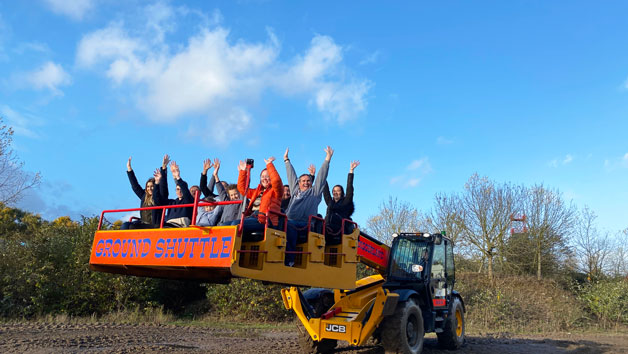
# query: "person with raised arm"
[[304, 201], [339, 205], [148, 218], [267, 196], [230, 212], [175, 217], [207, 188]]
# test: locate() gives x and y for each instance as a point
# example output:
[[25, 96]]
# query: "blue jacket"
[[209, 218], [230, 212]]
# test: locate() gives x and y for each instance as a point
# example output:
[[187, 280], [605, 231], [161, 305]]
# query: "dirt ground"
[[110, 338]]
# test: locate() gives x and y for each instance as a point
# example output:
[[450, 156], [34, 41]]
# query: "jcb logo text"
[[336, 328]]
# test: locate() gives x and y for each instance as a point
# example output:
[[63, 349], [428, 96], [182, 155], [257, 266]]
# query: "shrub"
[[607, 301], [517, 304], [248, 299]]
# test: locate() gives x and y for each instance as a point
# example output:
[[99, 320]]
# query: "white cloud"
[[160, 19], [396, 179], [21, 125], [213, 72], [567, 159], [441, 140], [53, 199], [33, 47], [563, 161], [422, 164], [233, 124], [611, 164], [371, 58], [412, 182], [75, 9], [110, 43], [49, 76], [5, 33], [319, 72], [417, 170], [343, 101], [207, 72]]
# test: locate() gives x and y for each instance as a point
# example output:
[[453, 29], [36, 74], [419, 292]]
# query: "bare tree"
[[485, 214], [549, 222], [394, 217], [592, 248], [618, 261], [13, 180], [446, 216]]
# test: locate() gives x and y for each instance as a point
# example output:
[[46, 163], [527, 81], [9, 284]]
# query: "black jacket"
[[187, 198], [208, 191], [341, 209], [141, 193]]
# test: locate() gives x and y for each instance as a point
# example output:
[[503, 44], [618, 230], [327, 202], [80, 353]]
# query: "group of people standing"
[[298, 199]]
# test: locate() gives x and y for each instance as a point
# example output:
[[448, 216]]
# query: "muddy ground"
[[110, 338]]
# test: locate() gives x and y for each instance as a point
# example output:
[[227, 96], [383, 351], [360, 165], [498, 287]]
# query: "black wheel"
[[402, 332], [311, 346], [320, 301], [452, 336]]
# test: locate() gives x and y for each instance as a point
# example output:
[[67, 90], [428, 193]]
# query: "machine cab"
[[425, 262]]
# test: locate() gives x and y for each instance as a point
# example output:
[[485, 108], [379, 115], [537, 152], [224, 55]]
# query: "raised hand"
[[312, 169], [174, 168], [329, 152], [242, 166], [353, 165], [269, 160], [285, 155], [165, 161], [216, 166], [157, 175], [207, 164], [128, 165]]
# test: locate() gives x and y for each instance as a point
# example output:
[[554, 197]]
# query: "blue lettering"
[[226, 247], [168, 247], [127, 243], [138, 248], [204, 240], [114, 252], [144, 250], [180, 253], [193, 241], [100, 243], [108, 247], [212, 254], [132, 248], [159, 248]]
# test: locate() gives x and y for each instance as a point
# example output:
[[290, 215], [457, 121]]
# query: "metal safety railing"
[[163, 208]]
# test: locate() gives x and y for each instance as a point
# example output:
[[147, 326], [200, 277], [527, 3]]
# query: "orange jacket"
[[271, 199]]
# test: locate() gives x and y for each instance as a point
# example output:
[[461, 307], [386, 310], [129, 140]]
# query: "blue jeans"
[[250, 223], [294, 228]]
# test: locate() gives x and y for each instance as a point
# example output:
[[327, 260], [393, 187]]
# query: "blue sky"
[[424, 95]]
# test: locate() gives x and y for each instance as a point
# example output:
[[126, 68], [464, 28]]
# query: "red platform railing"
[[163, 208]]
